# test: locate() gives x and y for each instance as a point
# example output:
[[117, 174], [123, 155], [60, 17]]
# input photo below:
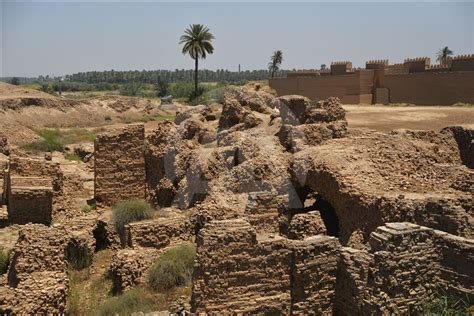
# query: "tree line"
[[169, 76]]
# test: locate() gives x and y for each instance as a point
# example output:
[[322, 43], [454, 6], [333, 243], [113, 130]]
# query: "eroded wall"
[[119, 169]]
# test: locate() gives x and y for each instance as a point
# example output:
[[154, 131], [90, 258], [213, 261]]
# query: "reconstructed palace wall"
[[119, 168], [415, 81], [239, 271]]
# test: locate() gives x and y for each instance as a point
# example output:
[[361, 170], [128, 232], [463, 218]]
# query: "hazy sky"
[[58, 38]]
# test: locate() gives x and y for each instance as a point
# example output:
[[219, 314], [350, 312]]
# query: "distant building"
[[415, 81]]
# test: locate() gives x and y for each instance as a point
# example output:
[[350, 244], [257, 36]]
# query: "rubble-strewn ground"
[[294, 206]]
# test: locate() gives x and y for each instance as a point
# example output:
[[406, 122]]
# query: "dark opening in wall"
[[100, 236], [329, 216]]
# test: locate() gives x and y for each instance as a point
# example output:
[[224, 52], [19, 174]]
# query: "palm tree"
[[197, 42], [323, 66], [275, 62], [443, 55]]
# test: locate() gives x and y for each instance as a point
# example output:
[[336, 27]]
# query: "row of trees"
[[178, 75]]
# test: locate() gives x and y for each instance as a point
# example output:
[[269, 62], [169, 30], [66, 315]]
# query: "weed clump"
[[130, 211], [173, 268], [4, 259], [134, 300]]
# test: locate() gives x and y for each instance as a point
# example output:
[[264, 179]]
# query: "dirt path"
[[387, 118]]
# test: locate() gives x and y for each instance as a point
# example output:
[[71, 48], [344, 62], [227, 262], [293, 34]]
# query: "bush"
[[446, 304], [52, 140], [173, 268], [134, 300], [130, 211], [72, 157], [88, 208], [55, 140], [4, 259], [77, 255]]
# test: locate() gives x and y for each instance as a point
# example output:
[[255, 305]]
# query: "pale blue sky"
[[57, 38]]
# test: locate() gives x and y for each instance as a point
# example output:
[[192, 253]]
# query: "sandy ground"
[[387, 118]]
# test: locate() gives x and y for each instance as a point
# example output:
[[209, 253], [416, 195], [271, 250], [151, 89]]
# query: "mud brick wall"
[[3, 179], [351, 285], [37, 275], [237, 272], [234, 273], [262, 210], [404, 270], [314, 268], [159, 233], [456, 262], [427, 88], [119, 169], [129, 267], [42, 293], [30, 205], [305, 225], [27, 167]]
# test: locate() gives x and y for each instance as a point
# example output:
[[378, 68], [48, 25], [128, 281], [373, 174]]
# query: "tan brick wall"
[[119, 165], [427, 88], [421, 86]]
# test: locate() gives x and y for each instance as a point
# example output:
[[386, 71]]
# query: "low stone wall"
[[305, 225], [159, 233], [237, 273], [129, 267], [262, 210], [119, 165], [405, 266], [37, 275], [30, 204]]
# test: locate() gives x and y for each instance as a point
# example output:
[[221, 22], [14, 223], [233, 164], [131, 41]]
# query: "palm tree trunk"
[[196, 76]]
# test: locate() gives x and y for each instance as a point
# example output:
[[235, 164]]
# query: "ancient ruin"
[[291, 211]]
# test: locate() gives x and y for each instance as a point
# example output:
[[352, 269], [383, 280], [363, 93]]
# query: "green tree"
[[323, 66], [197, 42], [443, 55], [275, 62], [15, 81]]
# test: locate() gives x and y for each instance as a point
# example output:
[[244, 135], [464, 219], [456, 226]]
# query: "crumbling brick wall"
[[237, 273], [119, 169], [159, 233], [30, 204], [37, 275], [33, 186], [405, 266], [263, 210], [313, 268]]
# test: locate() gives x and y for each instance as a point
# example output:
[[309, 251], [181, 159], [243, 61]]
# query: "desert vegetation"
[[173, 268], [130, 211]]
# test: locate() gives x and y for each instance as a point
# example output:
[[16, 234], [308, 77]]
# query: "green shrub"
[[52, 140], [134, 300], [446, 304], [78, 255], [88, 208], [4, 259], [130, 211], [55, 139], [72, 157], [144, 119], [173, 268], [108, 118]]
